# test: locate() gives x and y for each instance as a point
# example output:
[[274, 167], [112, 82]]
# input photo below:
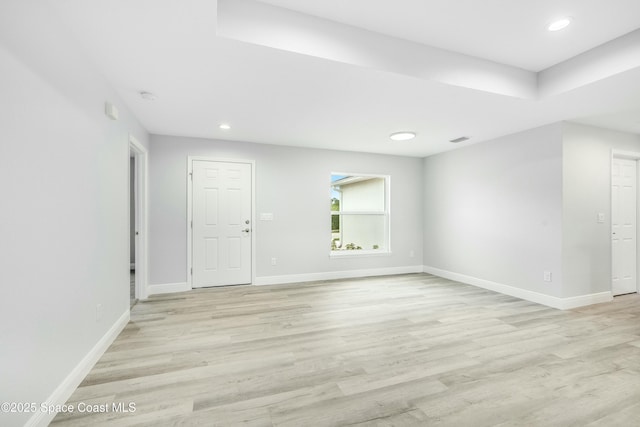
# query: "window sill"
[[358, 254]]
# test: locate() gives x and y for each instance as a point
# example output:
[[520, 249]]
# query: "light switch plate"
[[600, 218], [266, 217]]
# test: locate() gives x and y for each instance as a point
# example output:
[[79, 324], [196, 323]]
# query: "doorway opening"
[[137, 164], [132, 229]]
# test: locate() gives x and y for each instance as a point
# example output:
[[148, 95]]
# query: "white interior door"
[[221, 213], [623, 226]]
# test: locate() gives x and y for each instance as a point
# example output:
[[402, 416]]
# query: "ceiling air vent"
[[461, 139]]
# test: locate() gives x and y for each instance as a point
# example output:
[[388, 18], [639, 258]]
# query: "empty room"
[[319, 213]]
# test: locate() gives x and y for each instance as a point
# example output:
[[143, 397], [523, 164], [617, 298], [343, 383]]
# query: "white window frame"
[[387, 219]]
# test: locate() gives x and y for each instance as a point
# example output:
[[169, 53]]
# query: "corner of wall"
[[65, 389]]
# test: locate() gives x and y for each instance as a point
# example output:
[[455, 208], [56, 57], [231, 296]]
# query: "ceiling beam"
[[266, 25]]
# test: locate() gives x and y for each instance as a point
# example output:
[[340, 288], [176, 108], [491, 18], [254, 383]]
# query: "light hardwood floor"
[[389, 351]]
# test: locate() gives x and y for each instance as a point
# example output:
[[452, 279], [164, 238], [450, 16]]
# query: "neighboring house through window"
[[359, 214]]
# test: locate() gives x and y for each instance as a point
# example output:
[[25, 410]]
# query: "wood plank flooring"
[[409, 350]]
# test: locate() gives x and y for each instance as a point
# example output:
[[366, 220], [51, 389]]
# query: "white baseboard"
[[583, 300], [548, 300], [167, 288], [333, 275], [64, 391]]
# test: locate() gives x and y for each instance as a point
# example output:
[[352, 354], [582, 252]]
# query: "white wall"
[[294, 185], [493, 211], [64, 245], [586, 244]]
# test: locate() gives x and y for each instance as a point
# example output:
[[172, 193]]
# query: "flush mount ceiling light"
[[559, 24], [402, 136], [147, 96], [224, 126]]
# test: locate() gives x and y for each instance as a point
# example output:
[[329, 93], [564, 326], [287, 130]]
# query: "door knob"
[[246, 230]]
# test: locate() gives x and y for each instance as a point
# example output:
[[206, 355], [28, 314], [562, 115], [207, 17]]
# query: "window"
[[359, 214]]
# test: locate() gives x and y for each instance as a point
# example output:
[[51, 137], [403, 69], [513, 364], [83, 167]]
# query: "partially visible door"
[[623, 226], [221, 213]]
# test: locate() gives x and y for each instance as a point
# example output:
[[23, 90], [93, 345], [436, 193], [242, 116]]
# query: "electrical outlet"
[[274, 261], [547, 276], [98, 312], [412, 254]]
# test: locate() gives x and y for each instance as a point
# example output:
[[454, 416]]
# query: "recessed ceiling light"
[[224, 126], [402, 136], [147, 96], [559, 24]]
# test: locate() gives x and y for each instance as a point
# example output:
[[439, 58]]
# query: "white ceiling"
[[271, 95], [506, 31]]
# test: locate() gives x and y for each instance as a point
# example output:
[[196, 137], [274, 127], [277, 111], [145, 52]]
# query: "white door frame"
[[190, 160], [140, 156], [628, 155]]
